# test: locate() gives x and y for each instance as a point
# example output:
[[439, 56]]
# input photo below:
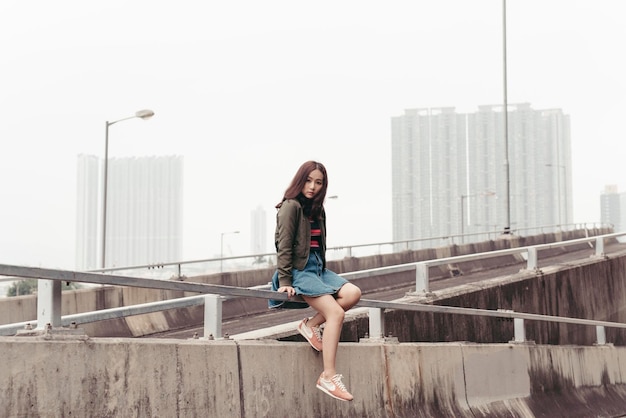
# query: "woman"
[[300, 240]]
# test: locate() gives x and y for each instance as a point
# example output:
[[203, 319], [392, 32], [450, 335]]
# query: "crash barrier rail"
[[49, 294], [181, 269]]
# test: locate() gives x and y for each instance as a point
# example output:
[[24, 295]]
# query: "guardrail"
[[49, 294], [177, 269], [529, 252]]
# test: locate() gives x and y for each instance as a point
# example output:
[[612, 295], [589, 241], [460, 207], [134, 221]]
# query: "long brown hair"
[[312, 207]]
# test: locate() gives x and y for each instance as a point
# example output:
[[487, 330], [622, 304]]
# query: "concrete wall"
[[200, 378], [592, 288]]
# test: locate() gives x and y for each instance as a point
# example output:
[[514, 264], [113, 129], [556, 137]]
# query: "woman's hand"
[[287, 289]]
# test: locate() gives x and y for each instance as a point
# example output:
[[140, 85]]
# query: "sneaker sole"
[[323, 389]]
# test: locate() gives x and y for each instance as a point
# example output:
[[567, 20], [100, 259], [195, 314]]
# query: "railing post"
[[520, 332], [532, 258], [421, 278], [377, 323], [48, 303], [600, 335], [212, 316], [600, 247]]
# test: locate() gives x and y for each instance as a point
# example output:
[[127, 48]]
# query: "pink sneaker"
[[312, 334], [334, 387]]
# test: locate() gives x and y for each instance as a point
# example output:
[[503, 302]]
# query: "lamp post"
[[462, 216], [141, 114], [559, 181], [463, 197], [505, 111], [222, 248]]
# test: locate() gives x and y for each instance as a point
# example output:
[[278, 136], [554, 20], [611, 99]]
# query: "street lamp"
[[463, 197], [141, 114], [505, 111], [222, 248], [559, 166]]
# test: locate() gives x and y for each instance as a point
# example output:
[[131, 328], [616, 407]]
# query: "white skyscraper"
[[144, 211], [613, 208], [428, 167], [449, 178], [258, 226], [88, 208]]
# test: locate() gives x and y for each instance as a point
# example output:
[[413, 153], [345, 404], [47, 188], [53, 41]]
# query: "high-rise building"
[[258, 226], [88, 208], [613, 208], [144, 211], [428, 166], [449, 171]]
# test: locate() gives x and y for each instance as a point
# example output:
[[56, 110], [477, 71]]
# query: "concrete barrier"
[[146, 378], [117, 378]]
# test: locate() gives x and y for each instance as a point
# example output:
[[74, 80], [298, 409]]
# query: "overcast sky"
[[247, 90]]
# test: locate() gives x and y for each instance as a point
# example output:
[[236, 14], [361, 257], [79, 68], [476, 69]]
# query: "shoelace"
[[316, 331], [337, 381]]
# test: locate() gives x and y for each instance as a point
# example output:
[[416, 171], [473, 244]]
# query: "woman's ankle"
[[311, 323], [327, 375]]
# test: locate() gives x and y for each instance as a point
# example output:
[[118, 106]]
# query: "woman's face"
[[313, 184]]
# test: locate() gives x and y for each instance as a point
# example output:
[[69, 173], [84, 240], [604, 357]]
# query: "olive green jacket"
[[293, 240]]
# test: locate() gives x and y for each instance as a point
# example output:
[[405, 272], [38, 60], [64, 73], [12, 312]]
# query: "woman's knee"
[[338, 314], [334, 313], [352, 292]]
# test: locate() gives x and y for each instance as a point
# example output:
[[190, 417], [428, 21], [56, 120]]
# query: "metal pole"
[[222, 247], [507, 211], [565, 194], [48, 303], [222, 252], [142, 114], [462, 220], [104, 193], [558, 170]]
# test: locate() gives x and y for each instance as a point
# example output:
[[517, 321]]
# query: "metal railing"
[[188, 268], [49, 294]]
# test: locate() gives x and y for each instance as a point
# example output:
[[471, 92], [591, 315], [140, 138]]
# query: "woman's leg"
[[348, 296], [328, 308]]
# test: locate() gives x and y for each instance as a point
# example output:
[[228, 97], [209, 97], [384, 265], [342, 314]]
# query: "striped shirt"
[[316, 235]]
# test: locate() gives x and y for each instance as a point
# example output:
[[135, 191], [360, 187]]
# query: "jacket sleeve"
[[287, 227]]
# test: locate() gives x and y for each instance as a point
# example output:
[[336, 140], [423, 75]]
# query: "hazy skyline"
[[246, 91]]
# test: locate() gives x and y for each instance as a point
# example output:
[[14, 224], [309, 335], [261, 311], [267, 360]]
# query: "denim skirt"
[[312, 281]]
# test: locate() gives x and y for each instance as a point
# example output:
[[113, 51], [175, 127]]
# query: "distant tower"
[[613, 208], [258, 224], [428, 172], [87, 212], [144, 211]]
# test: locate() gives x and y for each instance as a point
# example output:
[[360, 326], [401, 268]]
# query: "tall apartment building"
[[144, 211], [449, 171], [88, 208], [613, 208], [428, 166], [258, 226]]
